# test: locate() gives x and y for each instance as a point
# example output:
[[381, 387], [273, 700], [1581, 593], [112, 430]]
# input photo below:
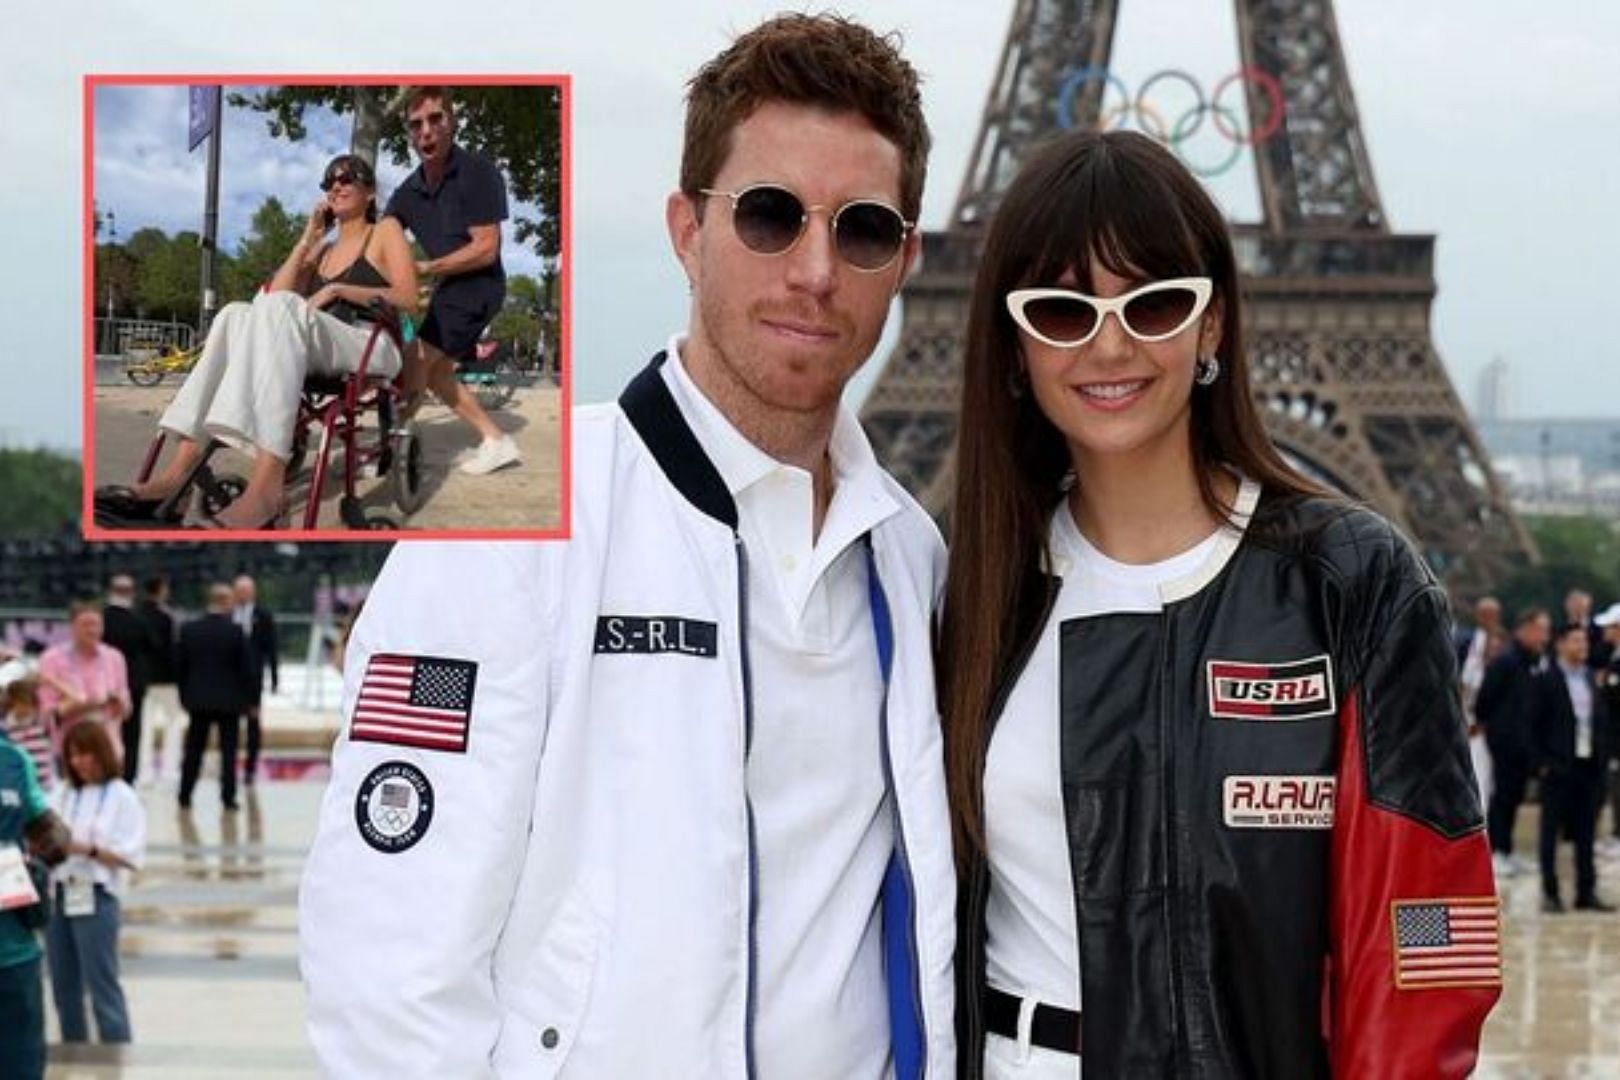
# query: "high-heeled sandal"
[[119, 501]]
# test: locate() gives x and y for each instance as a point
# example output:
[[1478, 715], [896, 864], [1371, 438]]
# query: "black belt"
[[1053, 1028]]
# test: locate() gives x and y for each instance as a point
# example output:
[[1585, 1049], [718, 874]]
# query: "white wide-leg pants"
[[244, 390]]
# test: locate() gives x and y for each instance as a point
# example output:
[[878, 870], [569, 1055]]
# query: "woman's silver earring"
[[1207, 370]]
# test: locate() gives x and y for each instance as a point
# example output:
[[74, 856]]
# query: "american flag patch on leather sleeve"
[[422, 701], [1441, 943]]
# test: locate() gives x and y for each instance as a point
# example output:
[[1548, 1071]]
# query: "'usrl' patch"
[[1295, 690]]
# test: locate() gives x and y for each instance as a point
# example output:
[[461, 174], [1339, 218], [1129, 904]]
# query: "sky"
[[145, 175], [1489, 125]]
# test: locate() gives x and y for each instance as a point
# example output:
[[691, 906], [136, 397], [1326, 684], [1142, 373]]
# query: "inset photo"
[[326, 307]]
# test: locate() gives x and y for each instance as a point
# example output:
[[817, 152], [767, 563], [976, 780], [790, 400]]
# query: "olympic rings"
[[1073, 82], [1151, 121], [1178, 136], [1273, 89], [1140, 106]]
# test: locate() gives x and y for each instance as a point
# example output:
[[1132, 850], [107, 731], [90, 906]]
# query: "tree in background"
[[518, 127], [1576, 552], [42, 493], [116, 269], [261, 251], [167, 272], [521, 319]]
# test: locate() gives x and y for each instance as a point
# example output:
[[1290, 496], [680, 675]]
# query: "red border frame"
[[562, 531]]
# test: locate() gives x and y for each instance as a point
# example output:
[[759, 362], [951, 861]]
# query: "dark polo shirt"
[[471, 192]]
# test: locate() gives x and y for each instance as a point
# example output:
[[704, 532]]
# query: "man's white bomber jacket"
[[556, 879]]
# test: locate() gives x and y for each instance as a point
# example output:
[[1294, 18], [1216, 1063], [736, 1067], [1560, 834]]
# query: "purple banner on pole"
[[204, 113]]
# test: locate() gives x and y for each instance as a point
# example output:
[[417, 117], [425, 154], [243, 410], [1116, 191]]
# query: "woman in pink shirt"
[[82, 679]]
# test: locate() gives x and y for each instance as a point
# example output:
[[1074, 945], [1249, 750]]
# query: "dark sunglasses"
[[1154, 312], [348, 179], [769, 220]]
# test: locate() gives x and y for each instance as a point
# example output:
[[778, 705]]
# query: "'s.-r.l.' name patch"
[[656, 634], [1294, 690]]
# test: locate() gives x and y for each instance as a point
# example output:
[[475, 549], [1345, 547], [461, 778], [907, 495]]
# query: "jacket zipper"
[[914, 953], [751, 996], [979, 889], [1172, 878]]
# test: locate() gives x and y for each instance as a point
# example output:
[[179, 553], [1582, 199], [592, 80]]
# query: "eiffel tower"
[[1337, 305]]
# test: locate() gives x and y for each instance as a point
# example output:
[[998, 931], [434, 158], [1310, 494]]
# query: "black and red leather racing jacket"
[[1275, 836]]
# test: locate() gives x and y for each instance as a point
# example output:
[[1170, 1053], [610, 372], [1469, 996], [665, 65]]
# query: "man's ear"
[[910, 257], [680, 218]]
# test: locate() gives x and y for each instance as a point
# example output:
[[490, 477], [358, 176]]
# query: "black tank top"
[[360, 272]]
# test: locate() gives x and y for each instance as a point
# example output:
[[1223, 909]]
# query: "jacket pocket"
[[544, 1010]]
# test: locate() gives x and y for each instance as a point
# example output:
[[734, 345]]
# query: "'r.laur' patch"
[[1278, 802], [1294, 690]]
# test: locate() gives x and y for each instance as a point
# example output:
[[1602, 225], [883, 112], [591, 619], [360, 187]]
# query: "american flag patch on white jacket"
[[1447, 943], [423, 701]]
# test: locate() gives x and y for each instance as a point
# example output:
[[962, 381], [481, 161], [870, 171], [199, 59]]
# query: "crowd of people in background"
[[1543, 698], [90, 718], [81, 725]]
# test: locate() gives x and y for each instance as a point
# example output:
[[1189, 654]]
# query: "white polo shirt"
[[823, 826]]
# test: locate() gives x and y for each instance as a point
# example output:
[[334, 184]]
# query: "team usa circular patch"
[[394, 807]]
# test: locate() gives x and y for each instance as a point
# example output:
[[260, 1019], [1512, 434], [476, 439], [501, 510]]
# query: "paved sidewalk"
[[210, 946], [525, 496]]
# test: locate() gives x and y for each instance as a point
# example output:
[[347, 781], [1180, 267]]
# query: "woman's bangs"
[[1106, 211]]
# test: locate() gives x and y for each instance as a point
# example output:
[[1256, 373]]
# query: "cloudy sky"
[[1491, 126], [146, 176]]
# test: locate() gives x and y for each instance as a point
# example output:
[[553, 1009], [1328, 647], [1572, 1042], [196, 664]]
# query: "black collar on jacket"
[[652, 411]]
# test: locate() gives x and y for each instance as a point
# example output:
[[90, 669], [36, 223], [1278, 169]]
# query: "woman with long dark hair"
[[313, 317], [1210, 782]]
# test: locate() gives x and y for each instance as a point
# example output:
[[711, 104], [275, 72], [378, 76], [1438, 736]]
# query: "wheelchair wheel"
[[405, 470], [143, 374], [496, 389], [215, 493]]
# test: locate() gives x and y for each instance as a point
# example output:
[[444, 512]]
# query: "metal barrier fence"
[[132, 337]]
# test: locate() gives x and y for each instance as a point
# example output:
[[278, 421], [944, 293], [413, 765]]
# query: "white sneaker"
[[1504, 866], [491, 454], [1522, 865], [1609, 847]]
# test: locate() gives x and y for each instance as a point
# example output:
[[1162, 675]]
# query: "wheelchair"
[[332, 411]]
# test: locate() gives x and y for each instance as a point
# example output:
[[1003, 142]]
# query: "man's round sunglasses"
[[769, 220], [1065, 319]]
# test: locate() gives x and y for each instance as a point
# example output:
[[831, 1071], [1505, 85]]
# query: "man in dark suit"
[[1609, 686], [1570, 743], [214, 668], [260, 627], [127, 632], [1503, 709]]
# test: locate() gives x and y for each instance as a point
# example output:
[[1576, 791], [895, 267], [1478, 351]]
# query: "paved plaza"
[[211, 970], [525, 496]]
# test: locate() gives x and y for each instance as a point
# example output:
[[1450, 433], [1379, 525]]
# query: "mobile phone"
[[327, 217]]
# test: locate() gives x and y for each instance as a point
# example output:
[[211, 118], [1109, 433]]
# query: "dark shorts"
[[453, 324]]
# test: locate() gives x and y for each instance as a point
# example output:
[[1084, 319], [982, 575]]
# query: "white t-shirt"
[[1032, 948], [823, 825], [108, 816]]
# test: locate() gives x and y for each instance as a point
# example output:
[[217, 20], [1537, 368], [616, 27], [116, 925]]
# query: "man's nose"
[[813, 259]]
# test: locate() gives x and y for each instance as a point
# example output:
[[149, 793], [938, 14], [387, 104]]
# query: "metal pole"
[[210, 299]]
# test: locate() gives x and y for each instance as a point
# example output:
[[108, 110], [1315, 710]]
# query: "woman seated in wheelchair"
[[314, 318]]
